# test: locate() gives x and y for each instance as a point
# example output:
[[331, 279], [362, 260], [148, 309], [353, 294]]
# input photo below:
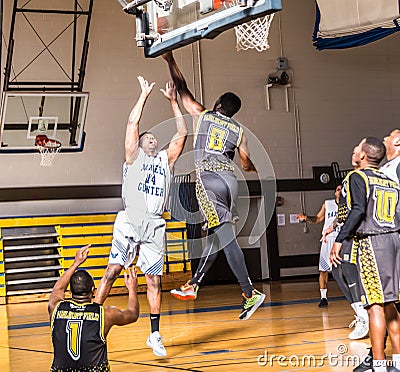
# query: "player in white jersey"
[[392, 144], [392, 167], [327, 213], [140, 228]]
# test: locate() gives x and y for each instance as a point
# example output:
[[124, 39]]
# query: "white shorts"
[[324, 255], [147, 238]]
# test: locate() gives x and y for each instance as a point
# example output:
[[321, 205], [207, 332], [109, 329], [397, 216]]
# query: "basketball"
[[41, 140]]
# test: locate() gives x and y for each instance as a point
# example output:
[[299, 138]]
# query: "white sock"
[[396, 360], [359, 310], [323, 293], [379, 365]]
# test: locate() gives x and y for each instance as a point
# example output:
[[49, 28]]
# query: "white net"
[[254, 34], [48, 152]]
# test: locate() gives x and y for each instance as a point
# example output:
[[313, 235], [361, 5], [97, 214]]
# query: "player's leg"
[[352, 280], [377, 330], [397, 356], [337, 273], [377, 263], [154, 298], [234, 255], [151, 263], [214, 193], [361, 322], [208, 206], [154, 340], [106, 282], [120, 248], [392, 313], [323, 282], [325, 267], [361, 318], [393, 325], [225, 191], [351, 276], [189, 290]]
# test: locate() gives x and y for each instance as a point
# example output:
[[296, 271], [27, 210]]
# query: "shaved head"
[[374, 150], [370, 151], [81, 283]]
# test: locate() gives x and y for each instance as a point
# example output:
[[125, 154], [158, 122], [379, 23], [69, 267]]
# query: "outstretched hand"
[[301, 217], [325, 233], [170, 91], [335, 254], [130, 279], [82, 254], [146, 87]]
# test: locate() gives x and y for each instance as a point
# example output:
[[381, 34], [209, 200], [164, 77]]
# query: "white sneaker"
[[361, 328], [154, 341]]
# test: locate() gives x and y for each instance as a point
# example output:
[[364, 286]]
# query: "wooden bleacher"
[[35, 251]]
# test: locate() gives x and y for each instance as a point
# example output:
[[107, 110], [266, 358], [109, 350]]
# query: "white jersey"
[[146, 184], [331, 209], [391, 169]]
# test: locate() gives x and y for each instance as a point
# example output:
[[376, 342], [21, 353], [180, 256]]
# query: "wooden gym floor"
[[206, 335]]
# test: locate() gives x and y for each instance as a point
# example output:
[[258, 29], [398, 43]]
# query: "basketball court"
[[61, 151], [206, 335]]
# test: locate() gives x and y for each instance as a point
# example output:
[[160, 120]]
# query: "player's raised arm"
[[178, 140], [191, 105], [58, 292], [313, 219], [115, 316], [132, 128]]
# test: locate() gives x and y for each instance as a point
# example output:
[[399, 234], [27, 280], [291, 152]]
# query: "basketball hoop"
[[252, 34], [164, 4], [48, 148]]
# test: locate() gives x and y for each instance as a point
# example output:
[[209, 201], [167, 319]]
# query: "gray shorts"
[[378, 261], [217, 194], [324, 255], [147, 240]]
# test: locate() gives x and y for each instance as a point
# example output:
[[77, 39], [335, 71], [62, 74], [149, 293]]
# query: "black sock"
[[194, 281], [155, 322]]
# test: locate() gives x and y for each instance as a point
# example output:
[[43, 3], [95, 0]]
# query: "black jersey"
[[78, 337], [217, 138], [372, 200]]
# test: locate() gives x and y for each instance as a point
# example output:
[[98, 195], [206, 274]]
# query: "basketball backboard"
[[25, 115], [165, 25]]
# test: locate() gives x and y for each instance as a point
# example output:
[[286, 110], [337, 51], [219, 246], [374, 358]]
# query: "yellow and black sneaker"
[[250, 305], [186, 292]]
